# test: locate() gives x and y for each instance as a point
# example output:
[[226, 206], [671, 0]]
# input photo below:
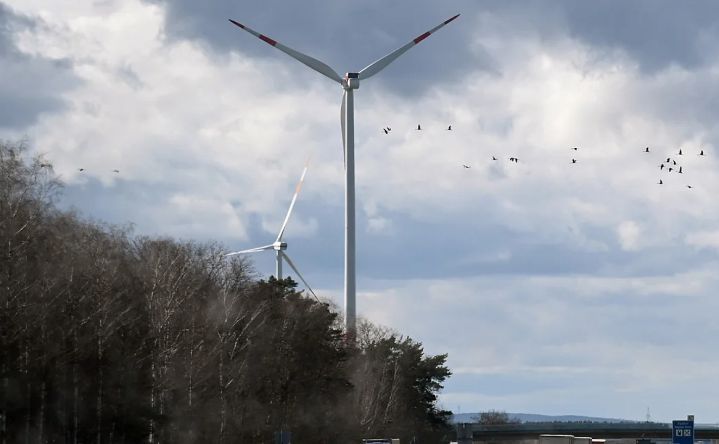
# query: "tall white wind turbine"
[[279, 246], [349, 83]]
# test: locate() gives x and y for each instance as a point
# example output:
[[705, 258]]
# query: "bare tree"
[[107, 337], [495, 417]]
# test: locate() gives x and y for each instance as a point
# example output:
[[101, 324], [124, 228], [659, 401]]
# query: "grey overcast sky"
[[555, 287]]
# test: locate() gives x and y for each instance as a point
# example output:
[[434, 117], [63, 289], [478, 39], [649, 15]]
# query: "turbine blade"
[[292, 204], [378, 65], [289, 262], [312, 62], [343, 112], [251, 250]]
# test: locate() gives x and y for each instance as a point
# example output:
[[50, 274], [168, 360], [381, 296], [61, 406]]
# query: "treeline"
[[107, 337]]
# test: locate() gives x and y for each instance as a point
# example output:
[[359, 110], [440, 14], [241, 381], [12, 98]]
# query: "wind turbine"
[[349, 83], [279, 246]]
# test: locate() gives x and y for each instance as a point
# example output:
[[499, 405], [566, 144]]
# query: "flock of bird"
[[670, 164], [49, 165], [114, 171], [387, 130]]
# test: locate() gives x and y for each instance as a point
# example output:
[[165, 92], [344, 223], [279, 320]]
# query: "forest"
[[111, 337]]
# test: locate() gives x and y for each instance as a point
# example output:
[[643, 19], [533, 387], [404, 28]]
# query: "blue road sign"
[[683, 432]]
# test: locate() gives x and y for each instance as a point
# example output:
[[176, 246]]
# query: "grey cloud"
[[520, 383], [349, 36], [9, 22], [29, 85], [655, 33], [457, 250], [130, 77], [419, 250], [124, 203]]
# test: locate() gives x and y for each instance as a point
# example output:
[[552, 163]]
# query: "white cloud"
[[629, 233], [379, 225], [196, 215], [560, 338], [703, 239]]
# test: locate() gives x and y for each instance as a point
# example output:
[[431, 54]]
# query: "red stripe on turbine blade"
[[451, 19], [268, 40], [422, 37], [237, 23]]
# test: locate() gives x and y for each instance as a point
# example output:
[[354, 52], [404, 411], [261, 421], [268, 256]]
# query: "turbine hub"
[[351, 80], [279, 246]]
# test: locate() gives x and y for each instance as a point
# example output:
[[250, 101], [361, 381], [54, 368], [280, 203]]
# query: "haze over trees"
[[108, 337]]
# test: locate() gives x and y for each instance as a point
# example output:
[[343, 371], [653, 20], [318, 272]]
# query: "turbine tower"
[[279, 246], [349, 83]]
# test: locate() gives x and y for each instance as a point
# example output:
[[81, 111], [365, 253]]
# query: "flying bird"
[[661, 167], [115, 171], [389, 129], [81, 169], [670, 169], [574, 160], [689, 186], [701, 153], [514, 159], [675, 162], [385, 130], [680, 151], [494, 158], [646, 150], [449, 128], [466, 166], [669, 159], [574, 148], [419, 128], [680, 170], [660, 182]]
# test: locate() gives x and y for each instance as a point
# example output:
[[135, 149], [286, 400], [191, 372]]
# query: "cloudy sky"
[[554, 287]]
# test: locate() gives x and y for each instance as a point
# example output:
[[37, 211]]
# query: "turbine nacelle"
[[278, 245], [351, 80]]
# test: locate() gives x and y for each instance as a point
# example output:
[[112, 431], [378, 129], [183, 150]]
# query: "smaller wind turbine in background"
[[279, 246]]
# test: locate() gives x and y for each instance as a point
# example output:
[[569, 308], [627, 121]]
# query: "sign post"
[[683, 432]]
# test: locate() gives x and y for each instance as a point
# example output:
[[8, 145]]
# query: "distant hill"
[[532, 417]]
